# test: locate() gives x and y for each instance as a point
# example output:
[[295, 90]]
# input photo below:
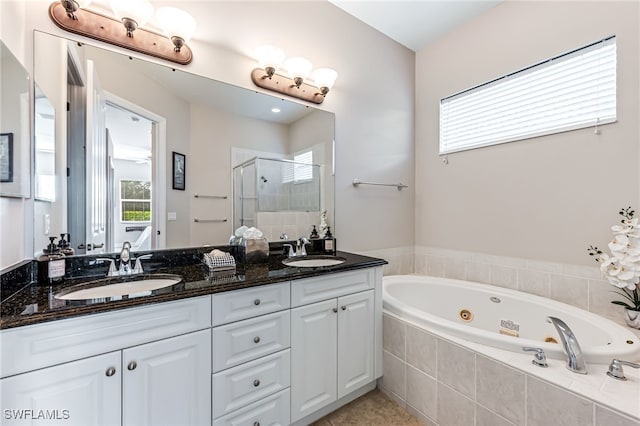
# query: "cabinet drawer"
[[247, 383], [250, 302], [270, 411], [246, 340], [41, 345], [311, 290]]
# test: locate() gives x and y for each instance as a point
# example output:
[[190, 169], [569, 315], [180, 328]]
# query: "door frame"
[[158, 168]]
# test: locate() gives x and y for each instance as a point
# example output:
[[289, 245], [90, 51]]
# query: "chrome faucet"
[[299, 249], [575, 360], [137, 269], [125, 259], [302, 242]]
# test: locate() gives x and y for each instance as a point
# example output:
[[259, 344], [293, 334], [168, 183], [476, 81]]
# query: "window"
[[301, 170], [570, 91], [135, 201]]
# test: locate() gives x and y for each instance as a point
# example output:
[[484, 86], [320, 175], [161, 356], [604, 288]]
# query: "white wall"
[[213, 134], [372, 99], [545, 198]]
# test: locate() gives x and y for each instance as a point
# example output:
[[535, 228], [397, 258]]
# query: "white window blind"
[[302, 168], [571, 91]]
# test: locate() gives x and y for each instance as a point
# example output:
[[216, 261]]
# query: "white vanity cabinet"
[[84, 392], [102, 371], [251, 356], [333, 339]]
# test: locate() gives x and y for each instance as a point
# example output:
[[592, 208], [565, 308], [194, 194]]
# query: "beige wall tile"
[[484, 417], [394, 378], [454, 409], [570, 290], [501, 389], [393, 336], [479, 272], [422, 392], [456, 367], [504, 276], [421, 350], [435, 265], [606, 417], [534, 282], [454, 267], [550, 405]]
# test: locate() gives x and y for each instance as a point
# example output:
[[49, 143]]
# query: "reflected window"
[[135, 201]]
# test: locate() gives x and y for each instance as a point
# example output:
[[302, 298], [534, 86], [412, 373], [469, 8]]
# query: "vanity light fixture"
[[132, 13], [72, 16], [71, 6], [294, 83]]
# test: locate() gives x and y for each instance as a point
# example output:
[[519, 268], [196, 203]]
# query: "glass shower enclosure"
[[273, 185]]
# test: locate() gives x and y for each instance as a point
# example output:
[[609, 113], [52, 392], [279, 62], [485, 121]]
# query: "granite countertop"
[[35, 303]]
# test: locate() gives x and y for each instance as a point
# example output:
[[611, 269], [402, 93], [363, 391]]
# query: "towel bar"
[[399, 185], [208, 220]]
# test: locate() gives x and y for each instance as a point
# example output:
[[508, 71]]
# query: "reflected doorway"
[[116, 170]]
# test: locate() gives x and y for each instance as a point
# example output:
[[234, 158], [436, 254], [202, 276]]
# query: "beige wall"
[[374, 113], [545, 198]]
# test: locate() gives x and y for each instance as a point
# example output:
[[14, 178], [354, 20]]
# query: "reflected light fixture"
[[178, 27], [294, 83]]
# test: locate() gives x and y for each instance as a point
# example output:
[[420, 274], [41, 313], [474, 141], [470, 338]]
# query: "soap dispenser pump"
[[65, 245]]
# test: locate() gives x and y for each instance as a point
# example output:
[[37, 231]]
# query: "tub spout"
[[575, 360]]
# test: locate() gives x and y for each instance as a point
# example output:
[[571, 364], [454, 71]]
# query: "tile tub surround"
[[447, 381], [580, 286]]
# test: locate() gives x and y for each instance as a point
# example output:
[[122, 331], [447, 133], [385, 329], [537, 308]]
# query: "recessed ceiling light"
[[275, 110]]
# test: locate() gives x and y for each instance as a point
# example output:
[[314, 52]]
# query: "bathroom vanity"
[[265, 344]]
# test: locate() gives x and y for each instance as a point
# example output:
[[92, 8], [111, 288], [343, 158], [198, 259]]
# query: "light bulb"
[[269, 58], [133, 13], [177, 24], [298, 69], [324, 79]]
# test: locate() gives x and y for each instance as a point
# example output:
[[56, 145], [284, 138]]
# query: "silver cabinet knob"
[[344, 308], [256, 302], [256, 423], [110, 371], [256, 383], [256, 339], [335, 310], [132, 365]]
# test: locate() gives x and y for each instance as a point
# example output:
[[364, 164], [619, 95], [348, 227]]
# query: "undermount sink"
[[313, 261], [107, 287]]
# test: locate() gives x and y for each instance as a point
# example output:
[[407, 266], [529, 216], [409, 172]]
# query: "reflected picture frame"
[[179, 169], [6, 157]]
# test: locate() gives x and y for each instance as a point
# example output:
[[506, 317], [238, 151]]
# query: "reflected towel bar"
[[219, 197], [399, 186], [208, 220]]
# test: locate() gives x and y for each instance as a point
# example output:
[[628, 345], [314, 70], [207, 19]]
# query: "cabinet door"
[[83, 393], [313, 357], [168, 382], [355, 341]]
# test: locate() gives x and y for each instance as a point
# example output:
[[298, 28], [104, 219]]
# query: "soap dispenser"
[[51, 264], [65, 245]]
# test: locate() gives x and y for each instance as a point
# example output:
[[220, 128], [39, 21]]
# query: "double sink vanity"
[[179, 345]]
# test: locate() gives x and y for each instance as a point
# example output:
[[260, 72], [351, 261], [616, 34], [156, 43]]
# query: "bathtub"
[[503, 318]]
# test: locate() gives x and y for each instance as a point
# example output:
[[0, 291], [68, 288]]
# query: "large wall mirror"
[[14, 127], [147, 154]]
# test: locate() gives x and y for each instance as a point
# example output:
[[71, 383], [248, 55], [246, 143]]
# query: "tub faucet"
[[125, 259], [575, 360]]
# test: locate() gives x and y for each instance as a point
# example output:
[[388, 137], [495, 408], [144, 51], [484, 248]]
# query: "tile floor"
[[371, 409]]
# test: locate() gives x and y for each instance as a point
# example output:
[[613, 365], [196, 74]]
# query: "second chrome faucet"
[[575, 359]]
